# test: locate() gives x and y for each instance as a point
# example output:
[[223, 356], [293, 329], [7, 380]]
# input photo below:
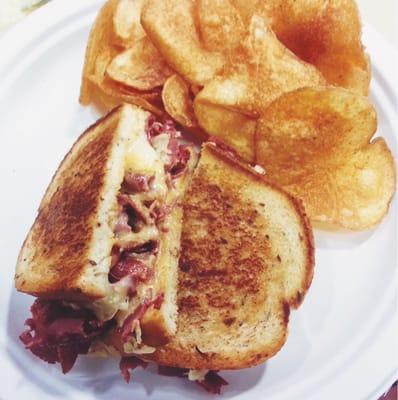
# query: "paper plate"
[[342, 342]]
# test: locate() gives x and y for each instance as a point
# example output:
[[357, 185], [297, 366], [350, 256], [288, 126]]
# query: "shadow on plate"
[[101, 376]]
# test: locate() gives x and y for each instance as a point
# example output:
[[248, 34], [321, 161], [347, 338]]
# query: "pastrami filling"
[[59, 333]]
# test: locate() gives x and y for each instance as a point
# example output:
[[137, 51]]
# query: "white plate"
[[341, 343]]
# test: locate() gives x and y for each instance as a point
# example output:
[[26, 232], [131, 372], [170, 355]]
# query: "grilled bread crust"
[[66, 254], [58, 256], [247, 257]]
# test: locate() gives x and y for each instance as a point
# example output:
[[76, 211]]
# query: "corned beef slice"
[[58, 333]]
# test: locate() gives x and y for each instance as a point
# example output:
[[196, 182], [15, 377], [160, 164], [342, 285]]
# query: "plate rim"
[[60, 10]]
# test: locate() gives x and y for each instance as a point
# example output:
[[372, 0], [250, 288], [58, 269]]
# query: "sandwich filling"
[[156, 163]]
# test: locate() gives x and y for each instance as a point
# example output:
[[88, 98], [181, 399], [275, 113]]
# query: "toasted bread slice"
[[68, 254], [247, 257], [317, 144]]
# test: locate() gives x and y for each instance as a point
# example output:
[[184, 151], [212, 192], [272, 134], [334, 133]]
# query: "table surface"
[[381, 14]]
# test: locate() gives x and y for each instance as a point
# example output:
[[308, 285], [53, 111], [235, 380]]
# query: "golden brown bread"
[[57, 255], [247, 257], [317, 144]]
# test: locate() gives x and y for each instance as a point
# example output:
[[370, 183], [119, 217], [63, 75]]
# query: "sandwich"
[[143, 252], [102, 253], [247, 258]]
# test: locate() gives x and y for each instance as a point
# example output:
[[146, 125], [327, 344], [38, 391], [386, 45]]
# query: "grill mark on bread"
[[229, 321], [74, 203], [241, 274]]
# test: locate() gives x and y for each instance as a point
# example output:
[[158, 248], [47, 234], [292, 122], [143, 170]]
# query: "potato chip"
[[195, 89], [316, 143], [96, 86], [235, 91], [126, 22], [245, 90], [302, 126], [108, 94], [325, 33], [178, 102], [234, 128], [99, 51], [154, 95], [354, 196], [275, 70], [220, 24], [328, 35], [140, 67], [170, 25], [270, 70]]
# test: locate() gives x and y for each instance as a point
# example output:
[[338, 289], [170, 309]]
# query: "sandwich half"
[[102, 253], [247, 258]]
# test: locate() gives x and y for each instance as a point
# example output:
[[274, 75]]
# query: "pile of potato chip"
[[283, 82]]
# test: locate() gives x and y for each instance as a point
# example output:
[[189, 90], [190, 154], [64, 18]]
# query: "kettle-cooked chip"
[[170, 24], [126, 22], [269, 71], [140, 67], [242, 92], [99, 51], [232, 127], [316, 143], [325, 33], [178, 102], [223, 109], [96, 86], [220, 24], [272, 69], [109, 94]]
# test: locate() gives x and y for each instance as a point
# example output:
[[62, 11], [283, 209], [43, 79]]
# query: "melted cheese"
[[197, 374], [116, 300], [160, 144], [141, 157], [134, 345], [146, 234], [100, 349]]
